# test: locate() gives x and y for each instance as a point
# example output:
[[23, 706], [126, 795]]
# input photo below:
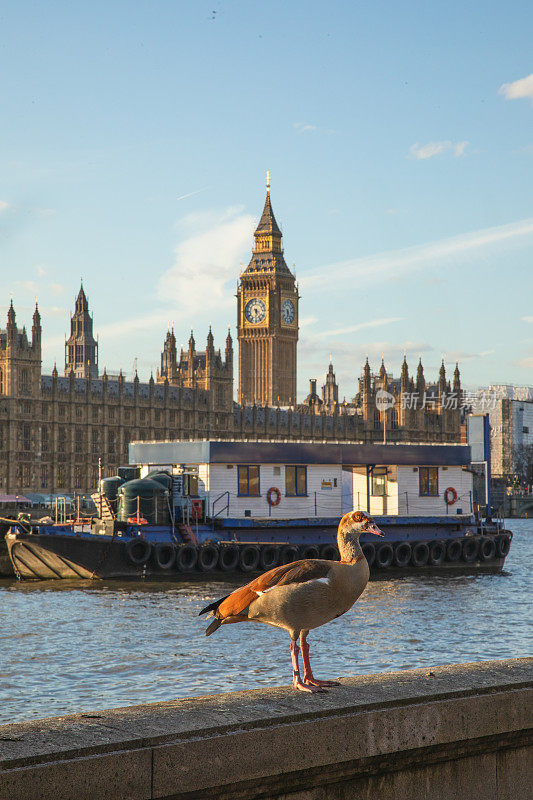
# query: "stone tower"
[[199, 369], [330, 390], [169, 364], [81, 348], [267, 319], [20, 358]]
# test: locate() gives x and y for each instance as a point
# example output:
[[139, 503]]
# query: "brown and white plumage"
[[303, 595]]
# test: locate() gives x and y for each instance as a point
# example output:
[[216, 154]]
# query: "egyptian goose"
[[303, 595]]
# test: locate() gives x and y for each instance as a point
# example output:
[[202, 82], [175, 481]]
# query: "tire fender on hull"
[[186, 557], [138, 551], [164, 555]]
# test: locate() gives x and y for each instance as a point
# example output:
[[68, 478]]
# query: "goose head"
[[351, 526]]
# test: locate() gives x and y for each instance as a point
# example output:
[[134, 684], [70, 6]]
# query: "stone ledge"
[[265, 743]]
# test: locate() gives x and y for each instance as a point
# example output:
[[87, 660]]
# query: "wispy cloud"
[[39, 287], [373, 269], [375, 323], [304, 127], [348, 358], [191, 194], [3, 205], [519, 89], [465, 355], [205, 260], [132, 325], [526, 363], [422, 152], [306, 322], [53, 311], [527, 319], [27, 286], [56, 288]]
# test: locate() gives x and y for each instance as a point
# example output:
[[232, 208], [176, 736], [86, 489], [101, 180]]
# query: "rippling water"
[[69, 647]]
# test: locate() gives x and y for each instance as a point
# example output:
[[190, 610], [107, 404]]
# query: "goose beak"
[[375, 530]]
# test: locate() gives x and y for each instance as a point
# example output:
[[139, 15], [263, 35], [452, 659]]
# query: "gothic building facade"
[[55, 429], [204, 369], [405, 409]]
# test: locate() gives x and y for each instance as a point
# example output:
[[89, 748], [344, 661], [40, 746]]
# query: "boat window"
[[379, 481], [249, 481], [429, 481], [295, 481], [190, 485]]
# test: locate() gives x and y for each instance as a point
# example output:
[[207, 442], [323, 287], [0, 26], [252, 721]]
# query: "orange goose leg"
[[297, 682], [308, 674]]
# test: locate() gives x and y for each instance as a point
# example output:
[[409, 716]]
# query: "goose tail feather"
[[214, 626]]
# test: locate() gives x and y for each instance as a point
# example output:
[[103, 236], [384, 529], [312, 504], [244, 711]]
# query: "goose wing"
[[309, 569]]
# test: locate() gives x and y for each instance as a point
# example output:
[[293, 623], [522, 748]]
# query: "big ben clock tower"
[[267, 319]]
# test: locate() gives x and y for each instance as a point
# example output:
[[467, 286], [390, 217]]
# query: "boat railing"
[[223, 508], [328, 503], [412, 503], [60, 510]]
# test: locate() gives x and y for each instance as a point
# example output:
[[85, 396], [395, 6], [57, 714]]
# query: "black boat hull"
[[47, 557], [67, 557]]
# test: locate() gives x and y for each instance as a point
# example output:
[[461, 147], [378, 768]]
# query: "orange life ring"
[[274, 496], [137, 521], [450, 496]]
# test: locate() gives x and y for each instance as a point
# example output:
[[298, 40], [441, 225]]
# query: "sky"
[[135, 139]]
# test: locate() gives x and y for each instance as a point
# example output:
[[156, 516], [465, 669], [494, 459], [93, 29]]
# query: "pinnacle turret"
[[456, 379], [268, 251], [11, 314], [420, 380], [405, 373], [267, 223], [442, 378]]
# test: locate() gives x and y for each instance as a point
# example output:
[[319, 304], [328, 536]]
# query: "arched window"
[[377, 420], [24, 381], [394, 418], [1, 381]]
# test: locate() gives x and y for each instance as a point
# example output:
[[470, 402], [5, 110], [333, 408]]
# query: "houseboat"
[[196, 507]]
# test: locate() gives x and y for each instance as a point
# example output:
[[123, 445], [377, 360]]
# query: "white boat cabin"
[[298, 480]]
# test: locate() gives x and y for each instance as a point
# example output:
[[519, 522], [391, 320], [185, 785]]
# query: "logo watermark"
[[449, 401], [384, 400]]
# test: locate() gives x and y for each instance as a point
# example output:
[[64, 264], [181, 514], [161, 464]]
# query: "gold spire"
[[268, 181]]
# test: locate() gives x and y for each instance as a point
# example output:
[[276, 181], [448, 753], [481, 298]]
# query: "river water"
[[68, 647]]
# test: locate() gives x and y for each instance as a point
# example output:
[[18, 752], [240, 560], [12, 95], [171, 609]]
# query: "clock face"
[[255, 311], [287, 312]]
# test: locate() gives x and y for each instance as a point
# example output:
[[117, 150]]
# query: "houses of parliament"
[[55, 428]]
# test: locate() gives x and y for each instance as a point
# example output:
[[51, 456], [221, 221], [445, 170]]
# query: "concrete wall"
[[452, 732]]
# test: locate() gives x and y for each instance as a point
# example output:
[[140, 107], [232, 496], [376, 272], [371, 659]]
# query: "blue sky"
[[134, 143]]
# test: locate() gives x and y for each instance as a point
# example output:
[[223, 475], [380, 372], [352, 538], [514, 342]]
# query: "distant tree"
[[523, 463]]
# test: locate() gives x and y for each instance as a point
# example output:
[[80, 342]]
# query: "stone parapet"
[[460, 731]]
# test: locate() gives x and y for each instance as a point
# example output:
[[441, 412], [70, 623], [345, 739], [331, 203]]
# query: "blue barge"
[[186, 508], [160, 551]]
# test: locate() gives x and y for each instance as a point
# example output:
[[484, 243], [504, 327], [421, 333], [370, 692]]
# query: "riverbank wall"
[[461, 731]]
